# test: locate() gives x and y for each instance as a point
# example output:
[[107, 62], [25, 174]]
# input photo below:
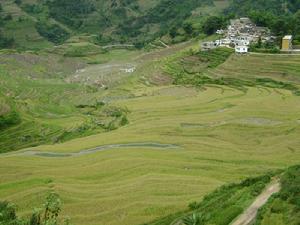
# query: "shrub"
[[47, 215], [193, 205], [194, 219], [7, 214], [12, 118], [52, 32], [227, 215]]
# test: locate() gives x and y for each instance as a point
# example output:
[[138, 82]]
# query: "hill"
[[228, 117], [40, 24]]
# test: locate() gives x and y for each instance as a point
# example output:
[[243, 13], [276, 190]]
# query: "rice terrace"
[[141, 124]]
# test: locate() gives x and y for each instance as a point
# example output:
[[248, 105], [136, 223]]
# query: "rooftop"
[[288, 37]]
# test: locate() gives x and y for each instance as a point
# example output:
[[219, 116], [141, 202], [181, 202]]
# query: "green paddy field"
[[180, 141]]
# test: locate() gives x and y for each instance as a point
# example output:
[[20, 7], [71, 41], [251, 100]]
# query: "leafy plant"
[[47, 215], [194, 219]]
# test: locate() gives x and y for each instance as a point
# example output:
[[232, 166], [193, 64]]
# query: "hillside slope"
[[39, 24]]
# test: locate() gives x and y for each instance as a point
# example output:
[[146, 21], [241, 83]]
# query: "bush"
[[257, 188], [47, 215], [7, 214], [227, 215], [193, 205], [52, 32], [6, 42], [12, 118], [286, 203]]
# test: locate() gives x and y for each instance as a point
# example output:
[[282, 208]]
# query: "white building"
[[242, 49]]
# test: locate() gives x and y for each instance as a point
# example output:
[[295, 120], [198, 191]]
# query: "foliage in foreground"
[[221, 206], [284, 207], [47, 215]]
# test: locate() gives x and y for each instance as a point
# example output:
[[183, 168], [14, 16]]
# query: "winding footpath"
[[249, 215]]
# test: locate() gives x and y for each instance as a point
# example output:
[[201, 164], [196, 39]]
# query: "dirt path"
[[249, 215]]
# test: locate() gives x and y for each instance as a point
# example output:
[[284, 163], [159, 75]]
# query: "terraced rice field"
[[180, 144], [132, 185]]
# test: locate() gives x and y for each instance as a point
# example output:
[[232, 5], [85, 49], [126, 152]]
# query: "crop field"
[[180, 143]]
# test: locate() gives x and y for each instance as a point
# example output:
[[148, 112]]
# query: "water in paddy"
[[98, 149]]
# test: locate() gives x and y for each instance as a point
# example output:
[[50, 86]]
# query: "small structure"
[[128, 70], [208, 45], [287, 43], [220, 31], [242, 49]]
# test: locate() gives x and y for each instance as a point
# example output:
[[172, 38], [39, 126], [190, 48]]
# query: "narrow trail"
[[249, 215]]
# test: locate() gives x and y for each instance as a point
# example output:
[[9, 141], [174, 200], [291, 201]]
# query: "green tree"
[[212, 24], [188, 28], [47, 215], [18, 2]]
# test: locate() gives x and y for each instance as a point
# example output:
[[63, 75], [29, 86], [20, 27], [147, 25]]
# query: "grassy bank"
[[283, 208], [221, 206]]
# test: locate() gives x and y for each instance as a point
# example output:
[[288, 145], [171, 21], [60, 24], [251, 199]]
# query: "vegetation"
[[213, 23], [181, 142], [133, 21], [221, 206], [268, 47], [48, 215], [6, 42], [284, 207], [9, 119], [194, 68], [69, 13], [281, 16], [52, 32], [37, 118]]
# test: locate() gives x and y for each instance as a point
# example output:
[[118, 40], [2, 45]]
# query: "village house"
[[287, 43], [208, 45], [242, 49]]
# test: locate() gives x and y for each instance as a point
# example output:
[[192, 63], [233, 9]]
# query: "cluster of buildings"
[[239, 35]]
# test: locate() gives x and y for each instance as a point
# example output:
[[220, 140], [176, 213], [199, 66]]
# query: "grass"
[[223, 205], [231, 134], [209, 67]]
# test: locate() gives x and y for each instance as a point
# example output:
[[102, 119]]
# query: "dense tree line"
[[69, 12], [168, 14]]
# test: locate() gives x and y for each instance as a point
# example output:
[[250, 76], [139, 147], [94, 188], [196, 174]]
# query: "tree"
[[188, 28], [47, 215], [173, 32], [18, 2], [212, 24]]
